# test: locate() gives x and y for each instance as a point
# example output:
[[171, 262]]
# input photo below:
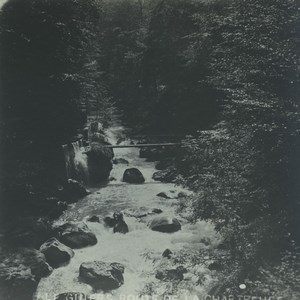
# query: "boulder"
[[171, 195], [76, 235], [167, 253], [133, 175], [102, 275], [164, 224], [168, 175], [94, 219], [20, 272], [120, 225], [109, 221], [56, 253], [120, 161], [171, 274], [156, 211], [165, 195], [99, 162]]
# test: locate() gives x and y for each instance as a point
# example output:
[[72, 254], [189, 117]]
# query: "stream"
[[137, 250]]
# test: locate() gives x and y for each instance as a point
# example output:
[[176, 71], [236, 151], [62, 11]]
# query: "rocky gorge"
[[120, 228], [113, 239]]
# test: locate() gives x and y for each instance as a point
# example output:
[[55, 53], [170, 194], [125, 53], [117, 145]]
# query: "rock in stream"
[[56, 253], [76, 235], [102, 275]]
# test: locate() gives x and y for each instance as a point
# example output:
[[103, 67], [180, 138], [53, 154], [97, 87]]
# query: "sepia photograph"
[[149, 149]]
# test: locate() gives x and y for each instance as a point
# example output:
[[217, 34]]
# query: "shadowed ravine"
[[130, 249]]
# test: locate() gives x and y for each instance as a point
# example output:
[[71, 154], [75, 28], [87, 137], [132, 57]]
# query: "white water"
[[128, 249], [81, 161], [76, 162]]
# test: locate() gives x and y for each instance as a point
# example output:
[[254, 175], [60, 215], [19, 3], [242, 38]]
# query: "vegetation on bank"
[[224, 72]]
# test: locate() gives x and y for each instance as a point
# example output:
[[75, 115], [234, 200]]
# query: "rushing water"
[[129, 249], [76, 161]]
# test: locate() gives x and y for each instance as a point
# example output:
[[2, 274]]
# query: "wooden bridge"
[[142, 145], [87, 148]]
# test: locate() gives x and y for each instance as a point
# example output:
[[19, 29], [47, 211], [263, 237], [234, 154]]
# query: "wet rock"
[[94, 219], [164, 224], [28, 232], [20, 272], [168, 175], [171, 274], [102, 275], [56, 253], [76, 235], [120, 226], [157, 211], [72, 296], [167, 253], [171, 195], [99, 162], [109, 221], [165, 195], [120, 161], [73, 191], [133, 175]]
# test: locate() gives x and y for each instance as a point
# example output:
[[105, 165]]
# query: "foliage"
[[48, 68], [244, 172]]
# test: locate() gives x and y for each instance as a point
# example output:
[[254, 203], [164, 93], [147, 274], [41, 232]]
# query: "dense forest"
[[224, 74]]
